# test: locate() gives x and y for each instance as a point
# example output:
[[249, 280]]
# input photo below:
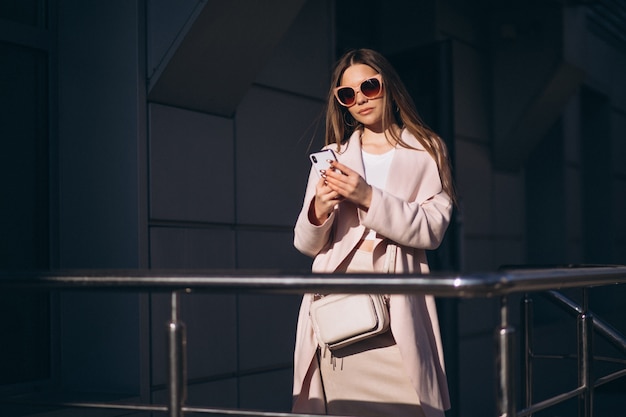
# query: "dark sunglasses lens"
[[370, 88], [346, 96]]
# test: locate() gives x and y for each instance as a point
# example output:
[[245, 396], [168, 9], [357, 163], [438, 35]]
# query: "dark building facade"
[[135, 135]]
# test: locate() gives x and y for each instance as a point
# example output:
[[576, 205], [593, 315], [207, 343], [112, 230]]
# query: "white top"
[[376, 173]]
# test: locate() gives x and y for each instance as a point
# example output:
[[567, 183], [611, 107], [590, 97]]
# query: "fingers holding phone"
[[322, 160], [325, 197], [349, 184]]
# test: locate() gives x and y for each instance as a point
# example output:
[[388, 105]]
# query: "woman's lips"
[[365, 111]]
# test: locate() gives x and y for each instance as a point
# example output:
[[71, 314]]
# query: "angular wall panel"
[[191, 166]]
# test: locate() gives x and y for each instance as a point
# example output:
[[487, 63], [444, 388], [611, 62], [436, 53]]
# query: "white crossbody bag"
[[340, 320]]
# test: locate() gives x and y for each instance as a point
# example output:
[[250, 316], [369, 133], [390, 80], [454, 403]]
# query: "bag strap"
[[390, 258]]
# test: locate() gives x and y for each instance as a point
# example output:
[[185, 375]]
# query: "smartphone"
[[320, 160]]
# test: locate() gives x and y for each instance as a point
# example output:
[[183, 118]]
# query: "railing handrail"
[[438, 284], [497, 284]]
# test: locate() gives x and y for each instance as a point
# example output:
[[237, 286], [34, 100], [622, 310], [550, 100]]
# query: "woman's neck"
[[377, 143]]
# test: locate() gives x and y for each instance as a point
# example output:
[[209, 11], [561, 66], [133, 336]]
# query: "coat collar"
[[403, 159]]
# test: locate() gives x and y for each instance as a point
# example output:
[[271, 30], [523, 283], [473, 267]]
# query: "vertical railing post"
[[176, 341], [585, 358], [527, 323], [504, 363]]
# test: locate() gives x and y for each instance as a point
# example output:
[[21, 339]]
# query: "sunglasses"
[[370, 88]]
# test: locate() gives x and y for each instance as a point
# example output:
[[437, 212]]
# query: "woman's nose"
[[360, 98]]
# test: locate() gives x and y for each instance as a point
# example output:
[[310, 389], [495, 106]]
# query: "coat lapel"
[[349, 230], [403, 172], [351, 154]]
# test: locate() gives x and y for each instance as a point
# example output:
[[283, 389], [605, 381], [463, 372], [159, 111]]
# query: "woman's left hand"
[[349, 184]]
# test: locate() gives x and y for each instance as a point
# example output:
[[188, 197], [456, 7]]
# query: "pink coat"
[[414, 212]]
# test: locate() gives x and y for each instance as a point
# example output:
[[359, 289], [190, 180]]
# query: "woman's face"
[[367, 111]]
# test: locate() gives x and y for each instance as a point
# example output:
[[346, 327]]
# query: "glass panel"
[[24, 351], [28, 12]]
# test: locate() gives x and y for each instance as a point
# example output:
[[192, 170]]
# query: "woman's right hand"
[[324, 202]]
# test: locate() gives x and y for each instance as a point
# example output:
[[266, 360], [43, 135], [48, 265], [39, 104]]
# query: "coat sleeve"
[[420, 222], [309, 238]]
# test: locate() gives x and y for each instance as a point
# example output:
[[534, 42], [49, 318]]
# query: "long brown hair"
[[398, 108]]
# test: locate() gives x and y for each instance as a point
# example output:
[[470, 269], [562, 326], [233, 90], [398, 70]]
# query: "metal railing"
[[587, 323], [500, 284]]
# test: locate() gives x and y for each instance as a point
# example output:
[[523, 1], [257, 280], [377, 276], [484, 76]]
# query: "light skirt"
[[368, 378]]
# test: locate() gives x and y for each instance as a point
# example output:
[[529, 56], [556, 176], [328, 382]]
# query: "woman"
[[391, 184]]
